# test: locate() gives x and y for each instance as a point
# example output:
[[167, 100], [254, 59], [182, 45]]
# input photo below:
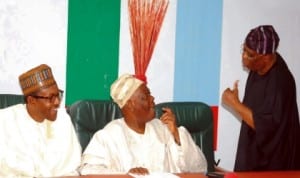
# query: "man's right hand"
[[230, 97], [139, 171]]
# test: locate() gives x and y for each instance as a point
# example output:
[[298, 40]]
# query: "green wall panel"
[[92, 48]]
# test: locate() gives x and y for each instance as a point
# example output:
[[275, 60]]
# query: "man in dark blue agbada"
[[270, 132]]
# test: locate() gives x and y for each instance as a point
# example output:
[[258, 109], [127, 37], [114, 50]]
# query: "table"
[[182, 175], [270, 174]]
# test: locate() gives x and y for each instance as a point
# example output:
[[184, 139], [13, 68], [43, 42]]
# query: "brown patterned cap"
[[123, 88], [36, 79]]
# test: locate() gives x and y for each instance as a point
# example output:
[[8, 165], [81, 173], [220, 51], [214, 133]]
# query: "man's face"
[[45, 103], [143, 103], [251, 59]]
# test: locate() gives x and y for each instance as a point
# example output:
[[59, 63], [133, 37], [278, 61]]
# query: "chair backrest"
[[88, 116], [197, 118], [10, 99]]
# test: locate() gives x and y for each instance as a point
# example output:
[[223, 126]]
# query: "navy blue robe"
[[275, 142]]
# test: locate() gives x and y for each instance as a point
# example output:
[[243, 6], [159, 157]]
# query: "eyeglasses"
[[51, 98], [246, 54]]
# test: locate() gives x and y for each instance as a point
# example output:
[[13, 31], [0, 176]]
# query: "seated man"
[[37, 139], [140, 143]]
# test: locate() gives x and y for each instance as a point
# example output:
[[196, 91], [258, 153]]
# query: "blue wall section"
[[198, 51]]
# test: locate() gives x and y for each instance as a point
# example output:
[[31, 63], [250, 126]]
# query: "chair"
[[197, 118], [10, 99], [88, 116]]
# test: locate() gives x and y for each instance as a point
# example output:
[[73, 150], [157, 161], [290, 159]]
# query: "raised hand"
[[230, 97], [169, 119]]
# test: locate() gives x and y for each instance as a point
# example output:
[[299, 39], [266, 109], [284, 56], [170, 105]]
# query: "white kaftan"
[[117, 148], [32, 149]]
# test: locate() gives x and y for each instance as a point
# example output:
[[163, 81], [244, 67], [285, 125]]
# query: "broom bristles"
[[146, 18]]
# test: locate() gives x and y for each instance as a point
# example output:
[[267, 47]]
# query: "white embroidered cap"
[[123, 88]]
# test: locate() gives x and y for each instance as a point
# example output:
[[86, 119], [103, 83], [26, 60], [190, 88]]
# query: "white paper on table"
[[155, 175]]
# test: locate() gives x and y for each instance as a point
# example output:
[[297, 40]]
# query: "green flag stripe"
[[93, 48]]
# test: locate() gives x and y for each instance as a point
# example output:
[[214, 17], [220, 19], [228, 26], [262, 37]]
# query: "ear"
[[130, 105], [31, 100]]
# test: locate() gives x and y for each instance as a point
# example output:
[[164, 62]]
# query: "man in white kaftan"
[[30, 148], [37, 139], [116, 149], [155, 145]]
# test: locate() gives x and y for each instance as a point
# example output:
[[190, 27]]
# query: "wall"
[[31, 32]]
